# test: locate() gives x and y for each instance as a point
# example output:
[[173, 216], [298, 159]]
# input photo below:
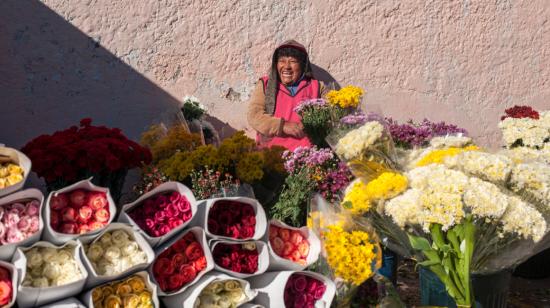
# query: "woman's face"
[[289, 69]]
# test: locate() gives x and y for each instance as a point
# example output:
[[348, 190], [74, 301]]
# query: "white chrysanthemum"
[[524, 154], [533, 181], [356, 141], [491, 167], [437, 177], [457, 141], [531, 132], [405, 209], [485, 199], [442, 208], [523, 219]]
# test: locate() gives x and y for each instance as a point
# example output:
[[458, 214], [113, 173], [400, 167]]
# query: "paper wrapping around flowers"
[[263, 258], [162, 188], [271, 288], [278, 263], [149, 286], [58, 238], [7, 251], [95, 278], [201, 238], [189, 296], [20, 159], [71, 302], [14, 281], [261, 220], [33, 297]]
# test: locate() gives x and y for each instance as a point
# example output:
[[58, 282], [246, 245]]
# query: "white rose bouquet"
[[221, 293], [47, 267]]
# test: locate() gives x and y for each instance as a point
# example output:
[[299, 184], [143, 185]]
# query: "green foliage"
[[296, 193]]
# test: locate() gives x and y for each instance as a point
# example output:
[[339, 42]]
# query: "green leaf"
[[347, 205], [428, 263], [419, 243]]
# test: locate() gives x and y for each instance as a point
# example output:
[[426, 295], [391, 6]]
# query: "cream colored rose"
[[95, 252], [112, 253], [63, 256], [129, 248], [119, 237], [52, 270], [236, 296], [34, 258], [232, 285], [209, 300], [249, 246], [214, 287], [41, 282], [48, 254], [106, 239]]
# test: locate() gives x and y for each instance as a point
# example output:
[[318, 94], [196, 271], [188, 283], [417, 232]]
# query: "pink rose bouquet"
[[79, 211], [302, 291], [289, 244], [18, 221]]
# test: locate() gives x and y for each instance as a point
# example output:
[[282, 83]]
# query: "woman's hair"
[[292, 52]]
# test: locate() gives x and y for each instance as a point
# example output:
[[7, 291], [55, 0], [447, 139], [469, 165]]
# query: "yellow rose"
[[136, 283], [146, 298], [97, 295], [14, 169], [112, 301], [131, 301], [4, 172], [123, 289], [3, 183], [232, 285], [14, 179], [107, 290]]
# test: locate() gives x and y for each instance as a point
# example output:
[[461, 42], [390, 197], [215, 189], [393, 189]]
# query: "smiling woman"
[[271, 107]]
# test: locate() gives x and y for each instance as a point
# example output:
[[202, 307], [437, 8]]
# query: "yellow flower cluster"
[[346, 97], [352, 255], [129, 293], [164, 143], [10, 174], [437, 156], [360, 195]]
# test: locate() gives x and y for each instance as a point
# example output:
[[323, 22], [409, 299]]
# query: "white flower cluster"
[[532, 180], [195, 100], [523, 219], [356, 141], [222, 294], [494, 168], [48, 267], [437, 177], [531, 132], [455, 141], [525, 154], [114, 252]]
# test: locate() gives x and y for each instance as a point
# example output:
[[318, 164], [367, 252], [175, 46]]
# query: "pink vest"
[[284, 108]]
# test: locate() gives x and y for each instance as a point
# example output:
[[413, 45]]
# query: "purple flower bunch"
[[411, 134], [306, 157], [357, 118], [310, 103]]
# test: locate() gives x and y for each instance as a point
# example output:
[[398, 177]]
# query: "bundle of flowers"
[[347, 97], [192, 109], [412, 134], [81, 152], [19, 221], [221, 293], [10, 174], [303, 291], [114, 252], [79, 211], [289, 244], [131, 292], [180, 264], [151, 177], [237, 257], [209, 184], [524, 126], [166, 141], [161, 213], [48, 267], [6, 287], [232, 219], [309, 169]]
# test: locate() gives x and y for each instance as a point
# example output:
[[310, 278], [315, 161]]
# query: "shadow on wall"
[[52, 75], [324, 76]]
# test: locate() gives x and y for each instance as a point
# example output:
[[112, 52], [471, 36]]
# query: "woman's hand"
[[295, 130]]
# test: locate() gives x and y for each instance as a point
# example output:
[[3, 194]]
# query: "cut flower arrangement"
[[221, 293], [19, 221], [289, 244], [237, 257], [48, 267], [302, 291], [128, 293], [524, 126], [232, 219]]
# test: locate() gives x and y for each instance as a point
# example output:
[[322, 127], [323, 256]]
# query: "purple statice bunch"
[[310, 103], [335, 181], [306, 157], [411, 134]]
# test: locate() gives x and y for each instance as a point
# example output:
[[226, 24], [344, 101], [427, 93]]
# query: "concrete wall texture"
[[126, 63]]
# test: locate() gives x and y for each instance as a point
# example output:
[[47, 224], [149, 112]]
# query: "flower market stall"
[[228, 224]]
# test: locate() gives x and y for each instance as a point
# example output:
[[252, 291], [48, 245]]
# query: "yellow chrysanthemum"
[[361, 195], [437, 156], [346, 97], [352, 255]]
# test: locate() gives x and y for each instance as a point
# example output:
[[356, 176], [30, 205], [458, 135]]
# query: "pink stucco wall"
[[125, 62]]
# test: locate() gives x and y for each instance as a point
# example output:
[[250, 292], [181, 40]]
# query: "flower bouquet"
[[182, 262], [309, 169], [213, 290], [20, 222], [48, 273], [291, 248], [134, 291], [87, 151], [234, 218], [116, 252], [522, 126], [8, 284], [241, 259], [411, 134], [81, 209], [208, 184], [162, 212], [294, 289], [14, 170]]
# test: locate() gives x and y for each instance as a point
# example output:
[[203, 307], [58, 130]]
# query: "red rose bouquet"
[[6, 287], [232, 219], [79, 211], [238, 257], [78, 153], [289, 244], [302, 291], [179, 264], [162, 213]]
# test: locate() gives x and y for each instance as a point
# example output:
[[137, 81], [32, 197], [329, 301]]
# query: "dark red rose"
[[78, 197], [247, 232], [163, 229], [69, 228], [213, 227], [194, 251], [68, 214], [236, 267], [189, 237], [178, 259], [59, 202], [232, 232], [163, 267], [249, 220], [300, 283], [54, 219], [176, 281]]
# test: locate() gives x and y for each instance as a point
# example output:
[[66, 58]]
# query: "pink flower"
[[150, 223], [174, 197], [33, 208], [1, 212], [24, 223], [300, 283], [11, 218], [14, 235], [160, 216], [183, 204], [171, 211], [186, 216], [35, 224], [2, 230], [19, 207]]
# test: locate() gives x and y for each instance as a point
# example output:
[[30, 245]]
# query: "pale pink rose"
[[14, 236], [35, 224], [11, 218], [33, 208], [19, 207], [24, 223]]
